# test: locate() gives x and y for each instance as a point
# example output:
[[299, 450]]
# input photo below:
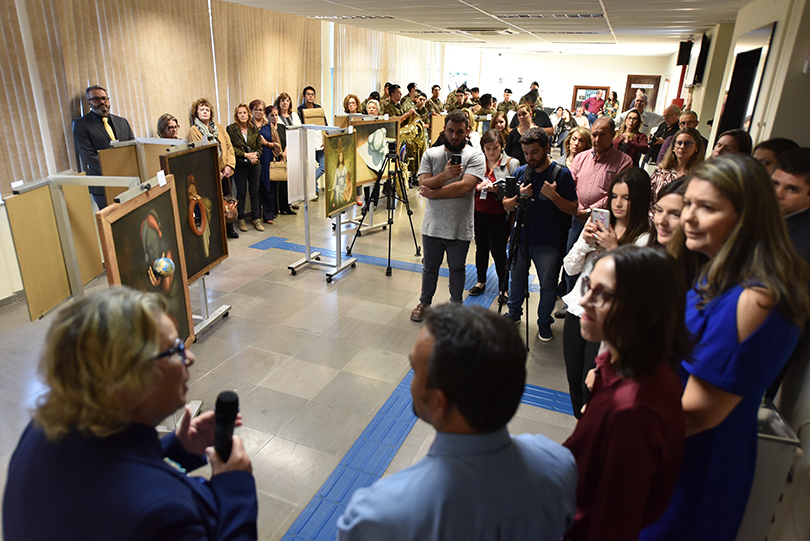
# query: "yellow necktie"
[[108, 128]]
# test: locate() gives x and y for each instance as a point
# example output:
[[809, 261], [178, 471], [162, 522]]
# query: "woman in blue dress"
[[745, 314]]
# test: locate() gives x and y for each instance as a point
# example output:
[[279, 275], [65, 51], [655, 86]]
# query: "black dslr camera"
[[508, 188]]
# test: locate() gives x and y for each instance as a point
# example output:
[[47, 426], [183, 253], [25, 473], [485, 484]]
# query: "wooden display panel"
[[39, 251], [118, 162], [436, 127], [85, 236]]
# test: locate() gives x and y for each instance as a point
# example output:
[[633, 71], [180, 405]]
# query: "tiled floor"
[[312, 362]]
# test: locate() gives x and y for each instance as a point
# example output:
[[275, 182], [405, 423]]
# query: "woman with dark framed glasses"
[[629, 442], [628, 198], [90, 464]]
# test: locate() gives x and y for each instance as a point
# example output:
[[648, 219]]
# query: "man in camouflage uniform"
[[485, 108], [452, 98], [534, 87], [409, 101], [435, 104], [393, 107], [385, 98], [508, 104], [422, 112]]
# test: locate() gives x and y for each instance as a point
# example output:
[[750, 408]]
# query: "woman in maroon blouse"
[[629, 442]]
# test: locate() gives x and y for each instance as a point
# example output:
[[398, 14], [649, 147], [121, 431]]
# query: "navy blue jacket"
[[120, 487]]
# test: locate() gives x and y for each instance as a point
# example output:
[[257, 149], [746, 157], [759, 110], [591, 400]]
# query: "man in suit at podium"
[[94, 131]]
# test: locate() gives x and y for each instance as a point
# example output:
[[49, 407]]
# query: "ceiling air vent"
[[485, 31]]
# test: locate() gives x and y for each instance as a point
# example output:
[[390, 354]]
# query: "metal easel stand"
[[207, 318], [54, 184], [370, 225], [310, 257]]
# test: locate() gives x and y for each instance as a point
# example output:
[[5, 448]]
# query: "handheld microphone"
[[225, 417]]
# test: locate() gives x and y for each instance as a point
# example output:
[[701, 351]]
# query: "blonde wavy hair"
[[97, 362]]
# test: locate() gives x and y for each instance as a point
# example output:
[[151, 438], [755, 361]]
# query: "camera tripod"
[[394, 182], [511, 259]]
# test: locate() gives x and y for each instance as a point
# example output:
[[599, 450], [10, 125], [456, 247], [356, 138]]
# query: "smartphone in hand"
[[455, 159], [601, 217]]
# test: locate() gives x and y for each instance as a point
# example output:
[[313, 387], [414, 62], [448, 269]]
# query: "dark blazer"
[[89, 136], [119, 487], [253, 143]]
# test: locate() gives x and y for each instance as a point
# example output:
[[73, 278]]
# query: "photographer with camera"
[[447, 179], [549, 194]]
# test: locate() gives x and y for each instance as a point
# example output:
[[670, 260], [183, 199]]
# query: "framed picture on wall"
[[582, 93], [199, 206], [136, 238]]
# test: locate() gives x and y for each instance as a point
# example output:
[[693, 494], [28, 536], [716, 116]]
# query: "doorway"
[[649, 83]]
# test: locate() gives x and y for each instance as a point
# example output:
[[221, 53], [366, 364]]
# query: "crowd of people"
[[676, 285], [687, 298]]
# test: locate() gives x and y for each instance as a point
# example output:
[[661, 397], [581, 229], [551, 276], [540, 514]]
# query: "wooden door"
[[650, 83]]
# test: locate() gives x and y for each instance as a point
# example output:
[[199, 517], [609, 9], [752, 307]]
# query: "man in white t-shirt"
[[448, 223]]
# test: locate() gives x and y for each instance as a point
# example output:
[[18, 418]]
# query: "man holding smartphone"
[[553, 199], [447, 179]]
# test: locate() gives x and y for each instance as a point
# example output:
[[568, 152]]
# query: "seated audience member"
[[581, 118], [485, 103], [682, 157], [90, 464], [732, 142], [578, 140], [745, 311], [629, 442], [627, 204], [373, 107], [351, 104], [372, 96], [612, 105], [168, 127], [435, 105], [564, 125], [767, 152], [688, 119], [508, 104], [203, 126], [629, 138], [593, 106], [477, 481]]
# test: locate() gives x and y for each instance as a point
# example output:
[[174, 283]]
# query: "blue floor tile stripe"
[[472, 277], [374, 450]]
